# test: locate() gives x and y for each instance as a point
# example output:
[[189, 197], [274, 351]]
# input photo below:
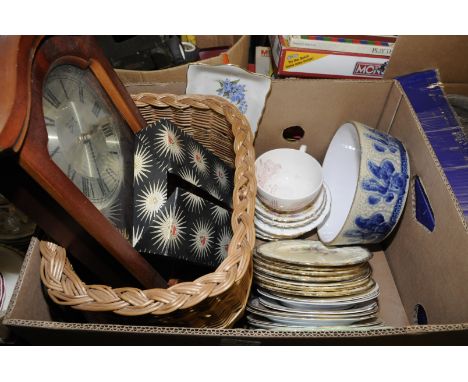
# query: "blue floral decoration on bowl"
[[387, 185], [234, 92]]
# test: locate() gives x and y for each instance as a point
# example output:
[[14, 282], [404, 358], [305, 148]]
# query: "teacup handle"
[[303, 148]]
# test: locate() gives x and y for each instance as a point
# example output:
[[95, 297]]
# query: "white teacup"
[[287, 179]]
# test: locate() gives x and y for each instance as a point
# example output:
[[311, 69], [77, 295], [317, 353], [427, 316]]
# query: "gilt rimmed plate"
[[311, 271], [274, 287], [312, 253], [288, 319], [246, 90], [261, 323], [321, 278], [312, 286], [258, 304], [362, 309], [321, 303]]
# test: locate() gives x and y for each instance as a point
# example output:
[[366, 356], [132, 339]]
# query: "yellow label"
[[293, 59]]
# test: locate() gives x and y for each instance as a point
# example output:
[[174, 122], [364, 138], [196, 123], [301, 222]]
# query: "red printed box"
[[304, 62]]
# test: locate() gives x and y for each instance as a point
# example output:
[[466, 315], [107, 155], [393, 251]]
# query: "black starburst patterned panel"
[[189, 219]]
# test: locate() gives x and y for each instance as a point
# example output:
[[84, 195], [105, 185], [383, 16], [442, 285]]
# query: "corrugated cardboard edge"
[[434, 157]]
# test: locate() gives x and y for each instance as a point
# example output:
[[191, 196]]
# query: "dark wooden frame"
[[34, 159]]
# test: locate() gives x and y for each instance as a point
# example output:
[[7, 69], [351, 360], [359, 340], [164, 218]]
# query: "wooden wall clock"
[[67, 127]]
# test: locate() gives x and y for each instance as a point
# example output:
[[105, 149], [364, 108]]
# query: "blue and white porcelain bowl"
[[367, 172]]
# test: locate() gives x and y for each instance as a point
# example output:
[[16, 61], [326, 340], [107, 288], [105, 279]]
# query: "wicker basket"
[[215, 300]]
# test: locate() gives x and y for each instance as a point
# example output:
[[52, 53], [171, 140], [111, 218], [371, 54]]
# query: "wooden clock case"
[[30, 178]]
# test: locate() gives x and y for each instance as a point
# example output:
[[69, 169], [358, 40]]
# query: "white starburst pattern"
[[168, 143], [142, 163], [220, 214], [193, 202], [136, 234], [112, 212], [214, 192], [144, 140], [190, 176], [201, 238], [150, 199], [198, 160], [222, 245], [168, 229], [220, 174]]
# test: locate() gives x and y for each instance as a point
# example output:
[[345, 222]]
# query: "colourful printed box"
[[182, 197], [303, 62]]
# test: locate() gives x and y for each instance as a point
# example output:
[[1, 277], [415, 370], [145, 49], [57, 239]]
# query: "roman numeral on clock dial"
[[87, 187], [96, 109], [51, 98]]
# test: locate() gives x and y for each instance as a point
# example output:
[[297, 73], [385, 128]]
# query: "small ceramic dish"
[[246, 90], [367, 172], [288, 180]]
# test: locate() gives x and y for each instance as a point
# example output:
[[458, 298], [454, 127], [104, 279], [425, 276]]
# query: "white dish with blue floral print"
[[367, 172], [248, 91]]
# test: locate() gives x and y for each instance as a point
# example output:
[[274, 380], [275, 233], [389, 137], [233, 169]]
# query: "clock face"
[[86, 136]]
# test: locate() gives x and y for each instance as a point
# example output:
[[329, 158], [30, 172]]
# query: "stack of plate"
[[273, 225], [303, 284], [15, 227]]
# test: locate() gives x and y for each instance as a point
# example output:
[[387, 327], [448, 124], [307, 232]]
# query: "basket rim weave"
[[66, 288]]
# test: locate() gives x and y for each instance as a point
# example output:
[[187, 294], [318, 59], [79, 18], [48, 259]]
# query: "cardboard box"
[[417, 270], [303, 62], [238, 55], [215, 41]]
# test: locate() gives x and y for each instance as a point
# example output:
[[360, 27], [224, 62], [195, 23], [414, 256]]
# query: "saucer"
[[309, 212], [274, 222], [294, 232]]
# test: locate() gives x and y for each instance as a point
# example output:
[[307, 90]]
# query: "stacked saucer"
[[303, 284], [272, 225]]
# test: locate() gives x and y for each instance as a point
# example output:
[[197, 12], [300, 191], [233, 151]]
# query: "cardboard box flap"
[[417, 53]]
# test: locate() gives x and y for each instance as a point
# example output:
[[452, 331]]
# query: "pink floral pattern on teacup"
[[266, 171]]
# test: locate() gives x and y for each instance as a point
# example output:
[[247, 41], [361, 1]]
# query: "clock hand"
[[94, 158]]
